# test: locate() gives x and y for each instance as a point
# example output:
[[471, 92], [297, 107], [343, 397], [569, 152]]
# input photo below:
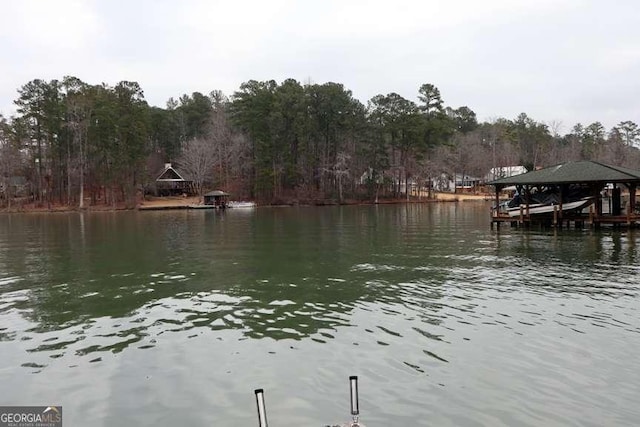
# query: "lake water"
[[174, 318]]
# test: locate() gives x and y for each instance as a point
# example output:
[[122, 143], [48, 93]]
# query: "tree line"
[[74, 143]]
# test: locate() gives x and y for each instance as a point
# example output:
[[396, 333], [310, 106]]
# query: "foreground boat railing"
[[353, 394], [262, 411]]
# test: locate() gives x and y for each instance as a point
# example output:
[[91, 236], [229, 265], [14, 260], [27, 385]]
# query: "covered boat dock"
[[216, 199], [579, 193]]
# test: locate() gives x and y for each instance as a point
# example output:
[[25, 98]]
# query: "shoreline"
[[178, 203]]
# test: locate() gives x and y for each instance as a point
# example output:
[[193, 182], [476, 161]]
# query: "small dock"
[[212, 200], [176, 207]]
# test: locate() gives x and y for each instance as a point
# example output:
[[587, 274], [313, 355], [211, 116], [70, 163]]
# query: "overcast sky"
[[566, 61]]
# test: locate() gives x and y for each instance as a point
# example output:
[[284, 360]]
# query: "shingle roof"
[[573, 172], [217, 193], [170, 174]]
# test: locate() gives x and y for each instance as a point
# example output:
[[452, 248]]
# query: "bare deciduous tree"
[[341, 171], [198, 160], [554, 127], [231, 149]]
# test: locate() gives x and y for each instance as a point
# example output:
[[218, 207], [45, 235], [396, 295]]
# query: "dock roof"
[[216, 193], [573, 173]]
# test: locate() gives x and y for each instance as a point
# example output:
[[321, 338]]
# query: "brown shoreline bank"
[[168, 203]]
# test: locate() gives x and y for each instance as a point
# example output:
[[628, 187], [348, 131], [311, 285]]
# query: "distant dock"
[[174, 207], [182, 206]]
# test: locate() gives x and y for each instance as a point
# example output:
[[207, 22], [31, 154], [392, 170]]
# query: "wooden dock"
[[176, 207], [559, 219]]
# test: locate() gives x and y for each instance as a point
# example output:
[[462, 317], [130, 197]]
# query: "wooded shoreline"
[[97, 146]]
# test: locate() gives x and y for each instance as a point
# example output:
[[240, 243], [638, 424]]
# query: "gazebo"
[[591, 178], [216, 198]]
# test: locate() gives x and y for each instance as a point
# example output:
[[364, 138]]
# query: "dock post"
[[521, 221], [555, 215]]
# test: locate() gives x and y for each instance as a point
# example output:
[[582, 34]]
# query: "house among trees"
[[170, 183], [456, 183], [504, 172], [14, 186], [465, 183]]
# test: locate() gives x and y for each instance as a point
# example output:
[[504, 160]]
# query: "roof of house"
[[505, 171], [170, 174], [573, 173], [459, 176], [216, 193]]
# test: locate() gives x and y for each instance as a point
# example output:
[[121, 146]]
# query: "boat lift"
[[353, 394]]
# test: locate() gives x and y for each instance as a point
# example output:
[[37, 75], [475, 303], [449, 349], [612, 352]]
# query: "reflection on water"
[[442, 318]]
